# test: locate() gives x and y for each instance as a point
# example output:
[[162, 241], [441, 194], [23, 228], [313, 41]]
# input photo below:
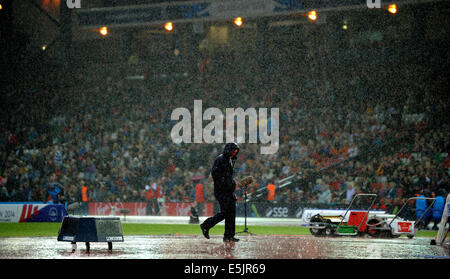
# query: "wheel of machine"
[[329, 230], [391, 235], [361, 233], [317, 232], [410, 236], [370, 229], [388, 234]]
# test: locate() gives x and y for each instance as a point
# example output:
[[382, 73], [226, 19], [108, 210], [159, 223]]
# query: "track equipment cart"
[[336, 225], [364, 222]]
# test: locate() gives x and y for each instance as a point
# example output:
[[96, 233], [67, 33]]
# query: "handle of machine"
[[415, 198], [349, 206]]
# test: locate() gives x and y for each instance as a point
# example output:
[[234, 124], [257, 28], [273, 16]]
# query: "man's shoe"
[[230, 239], [205, 231]]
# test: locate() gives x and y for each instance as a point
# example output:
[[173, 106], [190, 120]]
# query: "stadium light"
[[44, 47], [312, 15], [392, 8], [238, 21], [168, 26], [345, 25], [1, 7], [104, 31]]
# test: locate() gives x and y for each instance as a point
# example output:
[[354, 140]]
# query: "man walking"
[[224, 186]]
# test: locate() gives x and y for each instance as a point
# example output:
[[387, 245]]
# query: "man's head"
[[231, 150]]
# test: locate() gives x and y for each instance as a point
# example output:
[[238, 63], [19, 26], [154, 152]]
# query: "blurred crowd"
[[112, 134]]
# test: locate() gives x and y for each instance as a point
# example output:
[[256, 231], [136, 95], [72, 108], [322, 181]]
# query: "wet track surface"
[[250, 247]]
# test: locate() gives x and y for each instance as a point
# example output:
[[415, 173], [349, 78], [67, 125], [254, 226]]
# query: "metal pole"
[[414, 198], [245, 212], [245, 209]]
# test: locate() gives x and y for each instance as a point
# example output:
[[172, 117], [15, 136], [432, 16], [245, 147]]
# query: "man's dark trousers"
[[227, 212]]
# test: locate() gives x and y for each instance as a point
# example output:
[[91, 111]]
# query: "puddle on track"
[[250, 247]]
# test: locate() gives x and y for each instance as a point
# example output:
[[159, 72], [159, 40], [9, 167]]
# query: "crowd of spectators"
[[112, 134]]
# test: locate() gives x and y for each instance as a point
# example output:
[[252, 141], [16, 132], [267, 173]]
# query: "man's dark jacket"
[[222, 172]]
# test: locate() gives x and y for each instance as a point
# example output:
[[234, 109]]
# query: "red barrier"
[[140, 208], [105, 208], [184, 209]]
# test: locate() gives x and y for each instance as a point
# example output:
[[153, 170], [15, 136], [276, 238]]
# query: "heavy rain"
[[285, 116]]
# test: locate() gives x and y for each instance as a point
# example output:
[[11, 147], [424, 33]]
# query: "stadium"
[[114, 112]]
